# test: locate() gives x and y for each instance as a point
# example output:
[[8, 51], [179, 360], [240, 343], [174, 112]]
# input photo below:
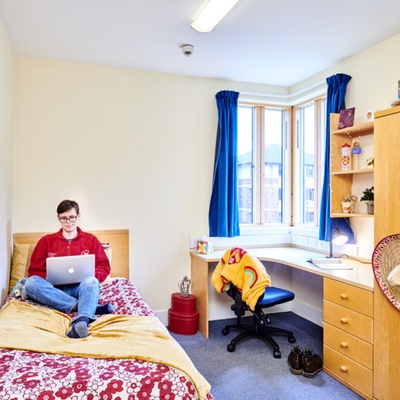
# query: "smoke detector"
[[187, 49]]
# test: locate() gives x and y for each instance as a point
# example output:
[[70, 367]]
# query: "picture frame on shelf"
[[346, 118]]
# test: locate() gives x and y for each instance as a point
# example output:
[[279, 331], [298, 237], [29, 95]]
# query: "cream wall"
[[136, 150], [6, 158]]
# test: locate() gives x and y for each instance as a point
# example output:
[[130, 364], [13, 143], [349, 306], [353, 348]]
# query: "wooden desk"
[[360, 276]]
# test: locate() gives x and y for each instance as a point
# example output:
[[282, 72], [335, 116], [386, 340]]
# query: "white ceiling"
[[260, 41]]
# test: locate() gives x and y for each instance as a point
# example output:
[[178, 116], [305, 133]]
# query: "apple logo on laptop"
[[71, 270]]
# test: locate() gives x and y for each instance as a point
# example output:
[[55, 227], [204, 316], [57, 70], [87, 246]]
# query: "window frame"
[[319, 150], [291, 179], [258, 165]]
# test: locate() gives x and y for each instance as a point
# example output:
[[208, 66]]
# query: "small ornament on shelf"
[[370, 162], [398, 90], [356, 154], [371, 115], [346, 157], [349, 203], [396, 103]]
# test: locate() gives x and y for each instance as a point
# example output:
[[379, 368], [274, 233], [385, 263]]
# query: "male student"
[[81, 297]]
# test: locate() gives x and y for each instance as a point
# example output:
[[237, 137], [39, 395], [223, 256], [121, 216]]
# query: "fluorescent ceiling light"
[[211, 14]]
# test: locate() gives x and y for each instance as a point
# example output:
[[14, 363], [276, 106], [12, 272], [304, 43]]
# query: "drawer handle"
[[343, 344], [344, 296], [343, 320], [343, 368]]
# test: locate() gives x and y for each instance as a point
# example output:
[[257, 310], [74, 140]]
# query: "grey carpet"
[[252, 373]]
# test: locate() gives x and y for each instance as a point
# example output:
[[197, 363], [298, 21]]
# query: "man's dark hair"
[[67, 205]]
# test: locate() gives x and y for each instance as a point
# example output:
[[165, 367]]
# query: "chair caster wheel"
[[277, 354], [225, 331], [292, 339], [231, 347]]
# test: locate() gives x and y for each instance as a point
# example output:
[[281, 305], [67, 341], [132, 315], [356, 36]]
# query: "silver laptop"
[[69, 269]]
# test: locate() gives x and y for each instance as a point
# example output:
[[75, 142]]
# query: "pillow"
[[20, 262]]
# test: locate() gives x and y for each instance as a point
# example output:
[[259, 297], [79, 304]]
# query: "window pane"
[[308, 164], [245, 163], [273, 160]]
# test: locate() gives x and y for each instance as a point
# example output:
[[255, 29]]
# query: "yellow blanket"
[[27, 327], [246, 272]]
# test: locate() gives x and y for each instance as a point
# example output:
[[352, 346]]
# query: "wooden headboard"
[[119, 243]]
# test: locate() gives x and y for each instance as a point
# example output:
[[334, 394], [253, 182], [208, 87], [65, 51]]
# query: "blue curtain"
[[223, 216], [335, 102]]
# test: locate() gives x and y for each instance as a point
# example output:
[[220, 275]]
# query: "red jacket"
[[55, 245]]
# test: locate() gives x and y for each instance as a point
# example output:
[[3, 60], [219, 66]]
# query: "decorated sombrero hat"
[[386, 267]]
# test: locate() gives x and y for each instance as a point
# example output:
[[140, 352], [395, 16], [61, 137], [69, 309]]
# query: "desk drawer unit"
[[348, 335]]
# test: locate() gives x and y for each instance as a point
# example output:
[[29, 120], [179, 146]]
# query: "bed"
[[127, 355]]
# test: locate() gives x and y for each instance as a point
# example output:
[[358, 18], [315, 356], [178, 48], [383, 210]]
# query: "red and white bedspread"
[[42, 376]]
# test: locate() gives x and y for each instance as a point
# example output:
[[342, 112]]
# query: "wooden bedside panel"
[[348, 320], [357, 299], [348, 370], [349, 345]]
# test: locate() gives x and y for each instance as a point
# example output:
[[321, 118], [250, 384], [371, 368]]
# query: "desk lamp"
[[337, 238]]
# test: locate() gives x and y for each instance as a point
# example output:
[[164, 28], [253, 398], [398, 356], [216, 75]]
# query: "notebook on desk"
[[329, 263], [69, 269]]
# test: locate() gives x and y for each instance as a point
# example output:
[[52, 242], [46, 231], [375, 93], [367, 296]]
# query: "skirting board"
[[303, 309]]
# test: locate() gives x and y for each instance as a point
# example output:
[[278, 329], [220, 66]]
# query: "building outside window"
[[265, 159], [262, 164]]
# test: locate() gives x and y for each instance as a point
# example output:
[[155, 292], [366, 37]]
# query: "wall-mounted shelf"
[[354, 172], [353, 215], [342, 181], [367, 128]]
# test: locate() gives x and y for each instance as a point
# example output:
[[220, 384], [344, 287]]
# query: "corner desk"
[[360, 276], [347, 309]]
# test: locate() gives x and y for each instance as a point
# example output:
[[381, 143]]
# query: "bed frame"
[[119, 243], [136, 366]]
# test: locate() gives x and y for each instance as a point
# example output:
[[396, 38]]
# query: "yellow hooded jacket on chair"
[[246, 272]]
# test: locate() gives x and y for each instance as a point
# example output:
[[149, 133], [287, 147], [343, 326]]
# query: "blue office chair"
[[271, 297]]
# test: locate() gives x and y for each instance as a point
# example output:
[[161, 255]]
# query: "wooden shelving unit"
[[342, 181]]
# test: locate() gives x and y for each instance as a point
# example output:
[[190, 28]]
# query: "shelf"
[[354, 172], [346, 215], [348, 182], [367, 128]]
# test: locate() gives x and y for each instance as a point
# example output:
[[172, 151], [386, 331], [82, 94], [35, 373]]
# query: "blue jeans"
[[65, 297]]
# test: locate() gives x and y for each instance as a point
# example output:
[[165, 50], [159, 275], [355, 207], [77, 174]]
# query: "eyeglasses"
[[72, 218]]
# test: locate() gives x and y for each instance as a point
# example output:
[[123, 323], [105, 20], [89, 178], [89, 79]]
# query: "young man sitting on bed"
[[81, 297]]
